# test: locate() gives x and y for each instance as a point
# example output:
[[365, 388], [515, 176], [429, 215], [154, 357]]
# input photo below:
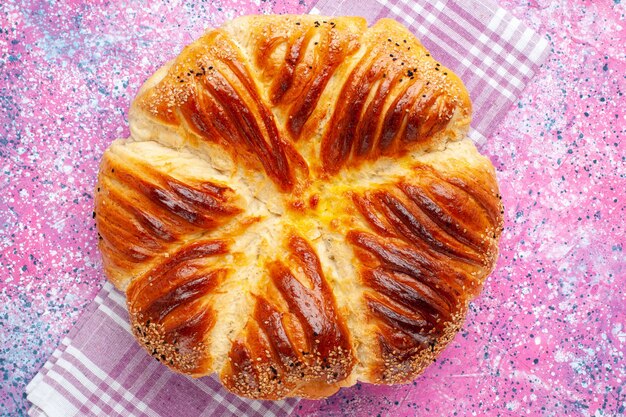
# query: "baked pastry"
[[298, 207]]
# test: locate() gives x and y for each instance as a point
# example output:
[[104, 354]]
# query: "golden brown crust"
[[210, 91], [396, 98], [139, 217], [168, 310], [298, 207], [284, 349], [430, 244]]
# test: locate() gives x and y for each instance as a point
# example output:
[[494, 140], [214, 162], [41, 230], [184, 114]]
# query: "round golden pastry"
[[298, 207]]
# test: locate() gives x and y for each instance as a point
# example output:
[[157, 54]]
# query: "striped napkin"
[[99, 369]]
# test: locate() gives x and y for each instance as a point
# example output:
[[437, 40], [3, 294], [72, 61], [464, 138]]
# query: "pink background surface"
[[546, 337]]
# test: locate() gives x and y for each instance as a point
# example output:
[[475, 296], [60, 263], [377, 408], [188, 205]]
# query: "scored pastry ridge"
[[298, 207]]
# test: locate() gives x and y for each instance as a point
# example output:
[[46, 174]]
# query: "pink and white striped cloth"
[[99, 370]]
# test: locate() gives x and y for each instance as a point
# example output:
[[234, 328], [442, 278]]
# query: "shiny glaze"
[[306, 342], [168, 312], [312, 54], [210, 90], [428, 241], [143, 214], [313, 105], [390, 100]]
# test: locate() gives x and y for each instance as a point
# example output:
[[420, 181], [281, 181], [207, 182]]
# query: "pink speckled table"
[[548, 335]]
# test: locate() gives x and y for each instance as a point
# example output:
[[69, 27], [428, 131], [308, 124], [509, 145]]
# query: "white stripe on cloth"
[[113, 315], [49, 402], [477, 137], [540, 48], [35, 411], [72, 390], [77, 390], [104, 377]]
